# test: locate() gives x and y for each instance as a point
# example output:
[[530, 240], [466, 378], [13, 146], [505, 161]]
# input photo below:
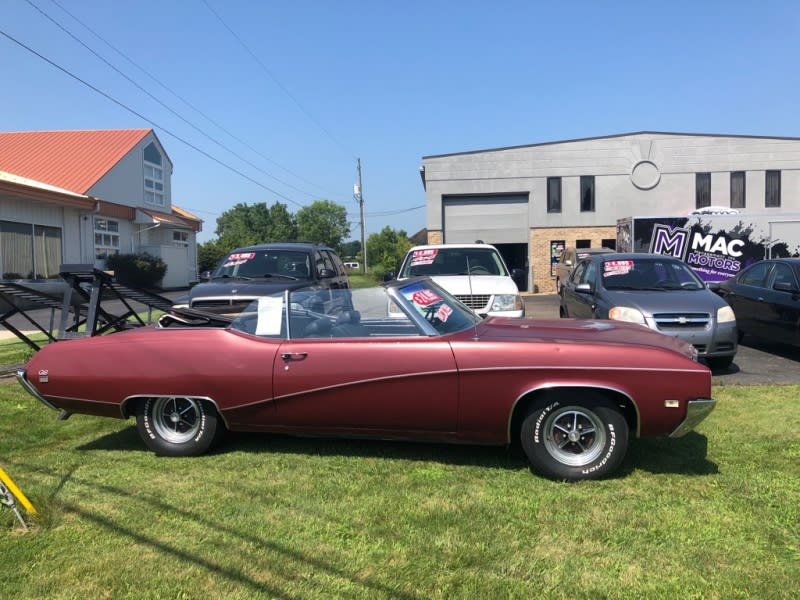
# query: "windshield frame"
[[430, 309]]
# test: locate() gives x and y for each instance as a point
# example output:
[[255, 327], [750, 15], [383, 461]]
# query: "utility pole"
[[359, 196]]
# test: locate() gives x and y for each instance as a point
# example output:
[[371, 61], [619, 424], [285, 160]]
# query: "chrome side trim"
[[696, 411], [22, 377]]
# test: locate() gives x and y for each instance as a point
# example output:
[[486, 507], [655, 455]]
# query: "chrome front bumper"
[[696, 411]]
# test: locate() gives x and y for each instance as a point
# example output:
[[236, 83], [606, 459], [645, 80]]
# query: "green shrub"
[[138, 270]]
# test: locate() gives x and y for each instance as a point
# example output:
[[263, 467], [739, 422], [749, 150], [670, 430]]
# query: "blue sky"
[[290, 94]]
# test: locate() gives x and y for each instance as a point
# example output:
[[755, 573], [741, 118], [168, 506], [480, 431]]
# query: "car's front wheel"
[[575, 440], [719, 362], [177, 426]]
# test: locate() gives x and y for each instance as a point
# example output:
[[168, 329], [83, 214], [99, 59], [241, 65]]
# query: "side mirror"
[[388, 276], [568, 263], [326, 273], [584, 288], [205, 275]]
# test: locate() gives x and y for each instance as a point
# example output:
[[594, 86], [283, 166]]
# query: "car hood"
[[226, 288], [672, 301], [463, 285], [592, 331]]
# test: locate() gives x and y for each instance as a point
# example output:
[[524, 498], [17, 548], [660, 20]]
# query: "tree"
[[350, 249], [245, 225], [209, 254], [386, 250], [324, 222]]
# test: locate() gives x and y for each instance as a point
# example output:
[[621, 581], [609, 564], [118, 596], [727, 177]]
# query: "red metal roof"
[[72, 160]]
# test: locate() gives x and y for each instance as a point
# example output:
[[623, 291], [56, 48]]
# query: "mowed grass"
[[710, 515]]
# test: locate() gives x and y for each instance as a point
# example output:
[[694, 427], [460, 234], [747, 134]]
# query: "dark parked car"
[[405, 361], [569, 258], [660, 292], [247, 273], [766, 299]]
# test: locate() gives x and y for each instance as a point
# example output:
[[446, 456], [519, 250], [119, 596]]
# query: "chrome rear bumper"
[[23, 380]]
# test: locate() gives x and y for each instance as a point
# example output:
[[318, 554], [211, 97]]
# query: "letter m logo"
[[669, 241]]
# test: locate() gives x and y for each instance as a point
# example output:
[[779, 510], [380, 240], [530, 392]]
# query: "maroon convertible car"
[[405, 361]]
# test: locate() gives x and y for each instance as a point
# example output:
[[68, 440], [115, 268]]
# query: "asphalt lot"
[[756, 362]]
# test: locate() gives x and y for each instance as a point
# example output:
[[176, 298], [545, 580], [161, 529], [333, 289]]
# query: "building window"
[[610, 243], [554, 194], [587, 193], [702, 190], [180, 238], [153, 176], [106, 238], [737, 189], [30, 251], [772, 198]]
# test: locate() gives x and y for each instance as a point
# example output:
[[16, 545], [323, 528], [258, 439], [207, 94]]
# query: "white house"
[[79, 196]]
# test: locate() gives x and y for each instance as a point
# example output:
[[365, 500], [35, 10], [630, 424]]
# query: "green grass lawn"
[[710, 515]]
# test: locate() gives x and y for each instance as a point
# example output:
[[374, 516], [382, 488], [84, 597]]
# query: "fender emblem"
[[44, 376]]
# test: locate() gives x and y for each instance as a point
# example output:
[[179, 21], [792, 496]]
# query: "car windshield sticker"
[[423, 257], [270, 311], [617, 267], [444, 312], [238, 258], [425, 297]]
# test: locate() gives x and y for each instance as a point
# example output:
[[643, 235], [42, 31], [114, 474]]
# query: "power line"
[[143, 90], [150, 121], [184, 100], [275, 80]]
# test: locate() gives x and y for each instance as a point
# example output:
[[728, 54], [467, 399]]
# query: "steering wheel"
[[479, 270]]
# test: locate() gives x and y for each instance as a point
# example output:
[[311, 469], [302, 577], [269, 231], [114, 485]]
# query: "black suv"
[[247, 273]]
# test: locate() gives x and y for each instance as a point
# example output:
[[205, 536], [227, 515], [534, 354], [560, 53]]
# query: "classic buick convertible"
[[405, 361]]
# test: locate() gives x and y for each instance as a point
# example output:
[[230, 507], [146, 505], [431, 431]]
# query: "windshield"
[[453, 261], [649, 273], [420, 308], [290, 264]]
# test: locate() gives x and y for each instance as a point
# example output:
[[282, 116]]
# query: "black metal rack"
[[83, 312]]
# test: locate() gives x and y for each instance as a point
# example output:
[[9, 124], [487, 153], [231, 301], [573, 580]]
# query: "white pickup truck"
[[474, 273]]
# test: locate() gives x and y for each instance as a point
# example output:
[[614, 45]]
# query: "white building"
[[79, 196]]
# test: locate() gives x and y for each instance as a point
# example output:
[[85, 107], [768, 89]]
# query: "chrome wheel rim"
[[574, 436], [176, 420]]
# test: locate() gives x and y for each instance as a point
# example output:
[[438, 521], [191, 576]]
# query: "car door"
[[580, 305], [376, 383], [744, 294], [779, 312]]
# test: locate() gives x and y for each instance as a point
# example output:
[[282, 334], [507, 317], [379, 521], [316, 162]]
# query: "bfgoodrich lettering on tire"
[[573, 440], [177, 426]]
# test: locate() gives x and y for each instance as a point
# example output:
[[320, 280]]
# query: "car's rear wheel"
[[575, 440], [176, 425]]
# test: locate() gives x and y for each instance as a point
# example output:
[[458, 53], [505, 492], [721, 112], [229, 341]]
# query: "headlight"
[[725, 315], [503, 302], [625, 313]]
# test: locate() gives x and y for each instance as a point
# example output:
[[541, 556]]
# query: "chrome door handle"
[[294, 355]]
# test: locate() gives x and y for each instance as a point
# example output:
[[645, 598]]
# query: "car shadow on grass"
[[686, 455]]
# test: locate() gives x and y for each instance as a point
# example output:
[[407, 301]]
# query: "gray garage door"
[[493, 219]]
